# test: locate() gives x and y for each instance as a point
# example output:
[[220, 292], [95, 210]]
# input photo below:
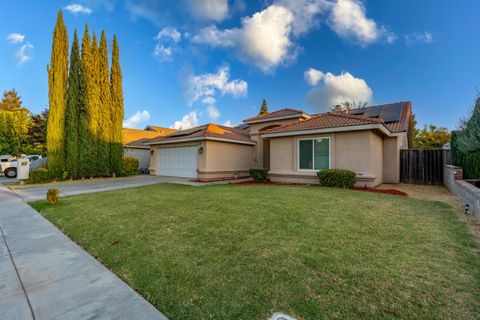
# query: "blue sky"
[[189, 62]]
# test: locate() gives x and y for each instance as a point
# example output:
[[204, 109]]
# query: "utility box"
[[23, 169]]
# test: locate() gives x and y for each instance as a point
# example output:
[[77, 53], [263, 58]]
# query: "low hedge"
[[259, 175], [39, 175], [339, 178], [129, 166]]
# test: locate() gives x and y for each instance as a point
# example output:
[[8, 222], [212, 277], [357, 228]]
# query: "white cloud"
[[348, 19], [22, 53], [209, 101], [77, 8], [204, 87], [336, 89], [146, 9], [163, 53], [313, 76], [214, 37], [135, 121], [210, 10], [305, 13], [169, 33], [423, 37], [16, 37], [213, 112], [263, 39], [228, 123], [188, 121]]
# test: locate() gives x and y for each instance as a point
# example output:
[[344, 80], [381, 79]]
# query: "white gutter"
[[328, 130], [135, 147], [299, 115], [399, 134], [200, 139]]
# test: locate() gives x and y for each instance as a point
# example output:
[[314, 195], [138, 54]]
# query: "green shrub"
[[339, 178], [129, 166], [53, 195], [259, 175], [39, 175]]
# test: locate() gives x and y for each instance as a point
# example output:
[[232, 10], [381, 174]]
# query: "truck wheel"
[[11, 173]]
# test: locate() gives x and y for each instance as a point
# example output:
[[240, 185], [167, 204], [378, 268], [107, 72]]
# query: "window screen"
[[306, 152]]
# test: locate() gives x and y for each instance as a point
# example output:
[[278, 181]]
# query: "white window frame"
[[313, 154]]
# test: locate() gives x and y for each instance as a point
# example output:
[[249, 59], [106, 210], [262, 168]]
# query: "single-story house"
[[294, 145], [134, 143]]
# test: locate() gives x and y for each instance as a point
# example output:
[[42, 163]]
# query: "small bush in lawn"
[[339, 178], [129, 166], [259, 175], [39, 175], [53, 195]]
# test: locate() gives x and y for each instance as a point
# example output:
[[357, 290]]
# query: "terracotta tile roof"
[[208, 130], [276, 114], [136, 138], [324, 121], [161, 130]]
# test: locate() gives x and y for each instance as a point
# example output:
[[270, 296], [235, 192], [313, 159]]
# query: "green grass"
[[246, 251]]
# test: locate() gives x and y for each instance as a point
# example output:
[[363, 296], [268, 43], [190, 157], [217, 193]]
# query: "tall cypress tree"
[[57, 90], [85, 141], [104, 118], [263, 108], [117, 110], [73, 111]]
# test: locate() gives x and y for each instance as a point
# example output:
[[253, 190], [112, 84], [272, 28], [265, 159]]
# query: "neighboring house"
[[134, 144], [293, 145], [163, 131]]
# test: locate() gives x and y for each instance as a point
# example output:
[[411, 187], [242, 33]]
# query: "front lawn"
[[246, 251]]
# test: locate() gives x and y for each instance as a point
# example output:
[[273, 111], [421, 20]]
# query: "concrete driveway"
[[94, 185], [44, 275]]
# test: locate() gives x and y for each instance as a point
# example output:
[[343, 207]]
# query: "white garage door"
[[178, 162]]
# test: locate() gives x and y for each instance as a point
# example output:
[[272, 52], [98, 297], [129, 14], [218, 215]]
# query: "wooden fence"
[[423, 166]]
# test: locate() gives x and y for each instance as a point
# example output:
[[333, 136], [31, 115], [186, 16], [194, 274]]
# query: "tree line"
[[21, 132], [466, 144], [84, 131]]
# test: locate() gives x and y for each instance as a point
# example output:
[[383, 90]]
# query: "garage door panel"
[[178, 162]]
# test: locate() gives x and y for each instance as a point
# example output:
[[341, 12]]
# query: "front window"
[[314, 154]]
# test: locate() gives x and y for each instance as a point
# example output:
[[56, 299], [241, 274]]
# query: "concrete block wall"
[[453, 180]]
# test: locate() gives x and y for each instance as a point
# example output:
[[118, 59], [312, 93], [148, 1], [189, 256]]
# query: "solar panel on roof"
[[358, 111], [391, 112], [185, 132], [373, 112]]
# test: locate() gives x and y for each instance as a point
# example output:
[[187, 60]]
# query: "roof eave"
[[293, 116], [200, 139], [379, 127]]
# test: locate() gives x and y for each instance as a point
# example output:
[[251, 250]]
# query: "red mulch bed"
[[383, 191], [270, 183], [374, 190], [215, 180]]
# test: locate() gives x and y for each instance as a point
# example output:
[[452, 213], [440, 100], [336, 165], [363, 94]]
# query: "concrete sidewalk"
[[44, 275]]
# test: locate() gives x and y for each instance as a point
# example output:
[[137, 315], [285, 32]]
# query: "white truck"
[[9, 164]]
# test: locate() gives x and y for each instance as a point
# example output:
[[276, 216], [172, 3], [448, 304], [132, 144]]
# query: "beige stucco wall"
[[224, 160], [359, 151], [391, 159], [255, 135]]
